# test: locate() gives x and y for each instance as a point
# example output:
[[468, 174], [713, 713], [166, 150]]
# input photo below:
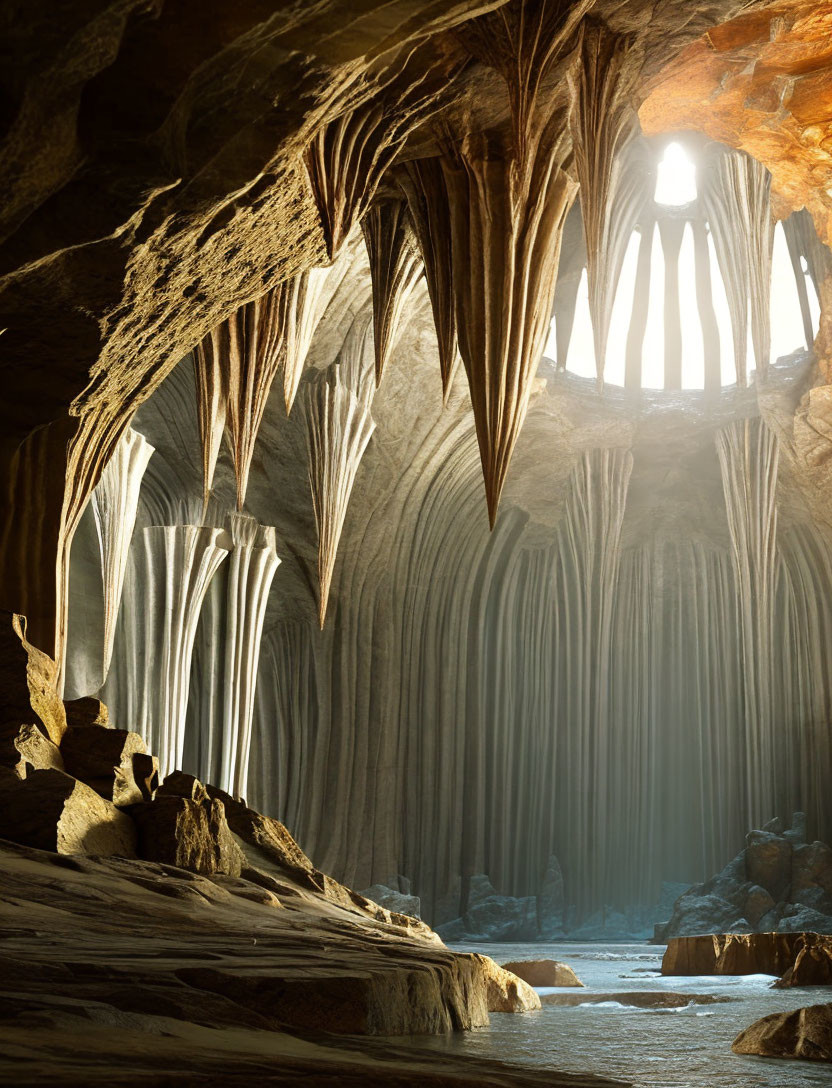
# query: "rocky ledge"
[[123, 971], [801, 959]]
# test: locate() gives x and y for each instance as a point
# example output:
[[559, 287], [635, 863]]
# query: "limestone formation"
[[543, 972], [339, 426], [805, 1033], [611, 195], [188, 556], [305, 299], [427, 200], [736, 196], [114, 504], [507, 213], [212, 401], [395, 269], [802, 959], [51, 810]]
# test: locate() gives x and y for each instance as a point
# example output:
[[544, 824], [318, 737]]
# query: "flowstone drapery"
[[174, 568], [114, 504], [748, 456]]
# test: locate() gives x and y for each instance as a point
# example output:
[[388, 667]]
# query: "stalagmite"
[[604, 122], [175, 566], [114, 504], [250, 570], [748, 456], [339, 426], [508, 207], [427, 199], [395, 269], [736, 198]]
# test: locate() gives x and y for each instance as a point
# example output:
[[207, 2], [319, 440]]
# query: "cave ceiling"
[[165, 164]]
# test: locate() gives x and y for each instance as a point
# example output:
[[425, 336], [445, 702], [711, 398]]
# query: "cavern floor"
[[117, 972]]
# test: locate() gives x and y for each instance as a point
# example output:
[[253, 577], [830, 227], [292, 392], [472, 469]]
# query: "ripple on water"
[[690, 1048]]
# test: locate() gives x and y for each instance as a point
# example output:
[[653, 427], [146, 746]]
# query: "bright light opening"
[[787, 333], [675, 177]]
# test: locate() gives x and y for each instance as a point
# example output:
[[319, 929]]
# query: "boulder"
[[812, 964], [479, 889], [757, 904], [768, 863], [550, 902], [704, 913], [798, 833], [190, 834], [800, 919], [448, 905], [146, 774], [544, 972], [502, 918], [804, 1033], [87, 711], [452, 932], [28, 689], [51, 810], [507, 992], [393, 900], [811, 868], [103, 758]]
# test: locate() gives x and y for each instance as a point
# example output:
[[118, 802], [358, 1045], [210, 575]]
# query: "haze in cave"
[[417, 551]]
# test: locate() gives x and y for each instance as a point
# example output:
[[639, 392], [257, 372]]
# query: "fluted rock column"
[[114, 504], [175, 566], [250, 570], [736, 195]]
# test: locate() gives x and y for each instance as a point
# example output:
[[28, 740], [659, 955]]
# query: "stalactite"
[[427, 198], [508, 207], [347, 157], [175, 565], [570, 269], [736, 196], [339, 426], [671, 232], [395, 269], [748, 456], [211, 400], [805, 246], [114, 504], [305, 299], [705, 307], [612, 191]]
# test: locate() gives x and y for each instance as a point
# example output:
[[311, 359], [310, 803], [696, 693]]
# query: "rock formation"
[[805, 1033], [779, 882]]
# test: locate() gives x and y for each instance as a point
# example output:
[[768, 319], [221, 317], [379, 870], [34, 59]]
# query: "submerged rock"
[[805, 1033], [544, 972]]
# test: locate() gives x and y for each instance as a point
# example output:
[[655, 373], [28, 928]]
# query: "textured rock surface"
[[544, 972], [52, 811], [806, 954], [27, 688], [804, 1033], [190, 834], [216, 971], [393, 900], [104, 759]]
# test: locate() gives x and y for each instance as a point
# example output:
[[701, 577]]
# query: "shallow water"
[[688, 1047]]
